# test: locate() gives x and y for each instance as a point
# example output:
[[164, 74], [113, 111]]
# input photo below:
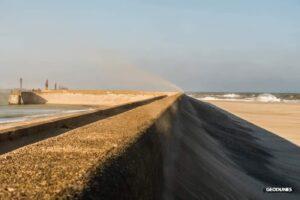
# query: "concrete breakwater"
[[172, 148], [15, 97], [13, 138], [64, 166], [80, 97]]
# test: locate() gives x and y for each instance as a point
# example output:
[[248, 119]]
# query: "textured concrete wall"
[[107, 98], [118, 157], [14, 99]]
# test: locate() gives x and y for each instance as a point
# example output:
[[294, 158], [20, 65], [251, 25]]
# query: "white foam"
[[12, 120], [291, 101], [30, 117], [78, 111], [208, 98], [267, 98], [232, 95]]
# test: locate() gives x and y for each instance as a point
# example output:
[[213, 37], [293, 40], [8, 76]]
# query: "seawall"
[[14, 98], [19, 136], [86, 97], [173, 148], [116, 153]]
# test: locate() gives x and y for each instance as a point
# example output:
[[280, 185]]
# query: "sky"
[[197, 45]]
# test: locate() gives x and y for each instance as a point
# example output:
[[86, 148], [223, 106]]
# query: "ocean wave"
[[248, 97], [208, 98], [12, 119], [267, 98], [232, 95], [78, 111], [291, 101]]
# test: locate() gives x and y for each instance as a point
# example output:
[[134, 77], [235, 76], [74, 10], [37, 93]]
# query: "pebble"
[[8, 157], [10, 189]]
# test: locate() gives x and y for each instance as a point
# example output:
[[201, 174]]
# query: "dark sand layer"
[[192, 151]]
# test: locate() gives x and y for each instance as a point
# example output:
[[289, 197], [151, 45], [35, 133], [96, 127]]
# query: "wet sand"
[[283, 119]]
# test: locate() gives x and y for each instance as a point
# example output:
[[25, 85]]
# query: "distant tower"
[[47, 85], [55, 86], [21, 84]]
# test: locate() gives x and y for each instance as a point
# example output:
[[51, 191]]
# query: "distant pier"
[[15, 97], [79, 97]]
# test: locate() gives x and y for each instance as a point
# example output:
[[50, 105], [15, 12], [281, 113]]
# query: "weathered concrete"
[[100, 154], [86, 97], [16, 137], [15, 98]]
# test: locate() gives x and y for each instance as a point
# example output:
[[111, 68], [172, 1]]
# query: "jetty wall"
[[116, 157], [15, 137], [15, 97], [86, 97]]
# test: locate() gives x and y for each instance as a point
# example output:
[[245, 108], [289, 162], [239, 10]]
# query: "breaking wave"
[[14, 115], [267, 98], [247, 97], [231, 95]]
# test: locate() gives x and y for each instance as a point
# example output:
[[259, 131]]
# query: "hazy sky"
[[212, 45]]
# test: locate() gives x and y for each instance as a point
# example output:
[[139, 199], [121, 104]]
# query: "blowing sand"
[[283, 119], [173, 148]]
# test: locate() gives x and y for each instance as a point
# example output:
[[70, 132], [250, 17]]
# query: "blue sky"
[[233, 45]]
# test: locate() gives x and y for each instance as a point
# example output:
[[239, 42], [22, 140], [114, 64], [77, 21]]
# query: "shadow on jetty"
[[198, 151], [17, 137], [29, 97]]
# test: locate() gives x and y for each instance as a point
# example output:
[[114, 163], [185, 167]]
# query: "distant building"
[[61, 87], [46, 84], [21, 83]]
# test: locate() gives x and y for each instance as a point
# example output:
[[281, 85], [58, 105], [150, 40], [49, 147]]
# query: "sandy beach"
[[174, 147], [282, 119]]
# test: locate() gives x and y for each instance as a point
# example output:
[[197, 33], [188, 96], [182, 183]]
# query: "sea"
[[247, 97], [21, 113]]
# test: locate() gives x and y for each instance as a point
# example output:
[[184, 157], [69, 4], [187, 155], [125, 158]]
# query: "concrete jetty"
[[172, 147], [80, 97], [15, 97]]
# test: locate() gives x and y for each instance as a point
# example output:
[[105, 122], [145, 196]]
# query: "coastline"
[[37, 120], [282, 119], [147, 142]]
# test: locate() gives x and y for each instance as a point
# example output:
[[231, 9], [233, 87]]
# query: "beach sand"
[[173, 148], [282, 119]]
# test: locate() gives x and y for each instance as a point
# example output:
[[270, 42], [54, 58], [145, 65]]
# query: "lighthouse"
[[46, 84]]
